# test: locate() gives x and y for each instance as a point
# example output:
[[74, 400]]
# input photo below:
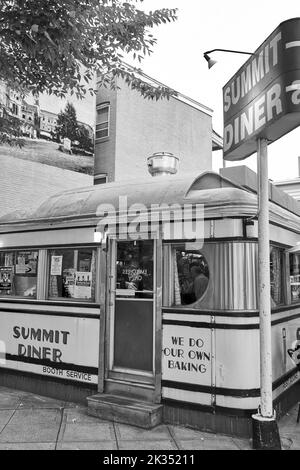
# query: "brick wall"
[[139, 128]]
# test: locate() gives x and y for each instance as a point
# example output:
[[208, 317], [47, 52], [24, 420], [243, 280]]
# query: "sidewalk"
[[33, 422]]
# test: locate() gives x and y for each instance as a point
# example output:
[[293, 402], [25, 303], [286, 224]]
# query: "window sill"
[[52, 302], [101, 139]]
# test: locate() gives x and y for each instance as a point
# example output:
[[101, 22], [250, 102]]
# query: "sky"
[[177, 60]]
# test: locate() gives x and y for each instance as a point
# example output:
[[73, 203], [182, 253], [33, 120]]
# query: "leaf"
[[34, 28], [48, 37]]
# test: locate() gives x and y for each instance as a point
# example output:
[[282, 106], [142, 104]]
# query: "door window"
[[135, 269]]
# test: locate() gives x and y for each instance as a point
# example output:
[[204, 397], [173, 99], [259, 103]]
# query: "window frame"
[[15, 251], [91, 301], [169, 277], [283, 276], [107, 128], [297, 301]]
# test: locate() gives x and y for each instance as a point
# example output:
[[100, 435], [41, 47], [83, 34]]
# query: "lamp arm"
[[229, 50]]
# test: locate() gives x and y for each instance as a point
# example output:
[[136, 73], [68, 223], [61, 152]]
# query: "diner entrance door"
[[131, 318]]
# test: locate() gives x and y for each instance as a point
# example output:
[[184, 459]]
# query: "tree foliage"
[[10, 129], [84, 139], [67, 125], [58, 46]]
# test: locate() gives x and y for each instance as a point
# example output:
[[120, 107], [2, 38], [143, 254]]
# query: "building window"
[[102, 121], [72, 274], [295, 276], [18, 273], [100, 179], [186, 274], [14, 109], [276, 274]]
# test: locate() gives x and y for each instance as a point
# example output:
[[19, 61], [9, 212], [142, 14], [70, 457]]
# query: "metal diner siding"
[[230, 330]]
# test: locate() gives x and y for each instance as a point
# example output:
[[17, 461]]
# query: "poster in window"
[[20, 266], [83, 285], [56, 265], [69, 282], [6, 279], [85, 264], [26, 263]]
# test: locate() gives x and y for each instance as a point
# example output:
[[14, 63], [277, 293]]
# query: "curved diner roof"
[[220, 197]]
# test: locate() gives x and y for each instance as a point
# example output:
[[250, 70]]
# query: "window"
[[102, 121], [72, 274], [14, 109], [276, 274], [135, 269], [100, 179], [295, 276], [186, 274], [18, 273]]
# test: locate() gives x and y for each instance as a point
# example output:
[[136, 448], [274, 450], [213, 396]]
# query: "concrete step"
[[125, 410]]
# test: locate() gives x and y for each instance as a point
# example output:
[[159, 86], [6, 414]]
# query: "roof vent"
[[162, 163]]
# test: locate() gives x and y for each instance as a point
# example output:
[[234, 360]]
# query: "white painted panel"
[[65, 341], [237, 358], [186, 355], [187, 396], [47, 237], [247, 403]]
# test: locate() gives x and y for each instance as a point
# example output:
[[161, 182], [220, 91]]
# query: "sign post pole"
[[265, 429]]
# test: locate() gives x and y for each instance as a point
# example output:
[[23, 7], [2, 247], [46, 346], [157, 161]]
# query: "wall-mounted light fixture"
[[98, 236], [212, 62]]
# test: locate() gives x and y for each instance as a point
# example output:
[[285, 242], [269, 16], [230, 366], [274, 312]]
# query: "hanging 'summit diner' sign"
[[262, 100]]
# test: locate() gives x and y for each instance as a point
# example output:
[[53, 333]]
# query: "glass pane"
[[101, 134], [188, 272], [18, 273], [72, 274], [135, 268], [276, 276], [102, 114], [133, 342], [295, 276], [102, 126]]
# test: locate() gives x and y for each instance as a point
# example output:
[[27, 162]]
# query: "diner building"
[[139, 295]]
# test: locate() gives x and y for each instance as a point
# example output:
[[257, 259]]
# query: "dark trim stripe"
[[53, 365], [37, 222], [96, 316], [238, 238], [228, 313], [282, 320], [278, 382], [207, 408], [220, 326], [48, 246], [285, 308], [49, 378], [215, 313], [227, 326], [53, 303], [229, 392]]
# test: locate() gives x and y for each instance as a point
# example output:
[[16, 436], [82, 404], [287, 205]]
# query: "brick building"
[[130, 128]]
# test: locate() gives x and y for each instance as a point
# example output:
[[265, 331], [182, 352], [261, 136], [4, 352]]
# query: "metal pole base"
[[265, 433]]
